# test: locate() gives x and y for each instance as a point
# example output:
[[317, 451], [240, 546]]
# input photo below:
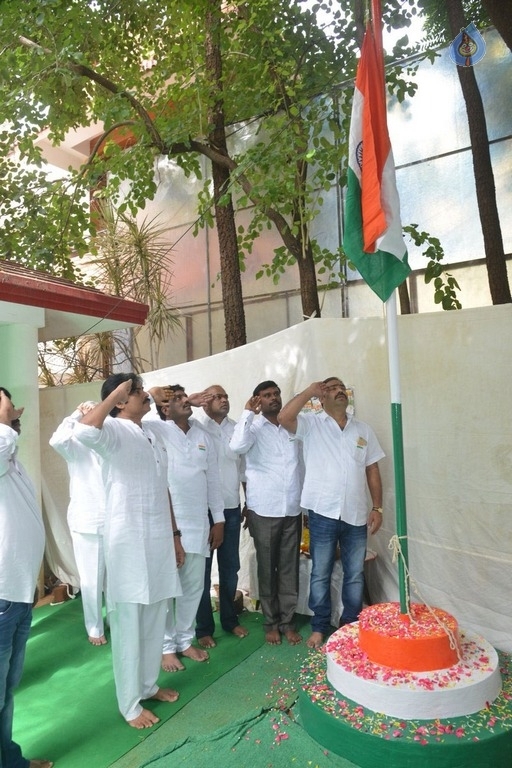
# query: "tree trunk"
[[405, 301], [308, 286], [482, 166], [500, 13], [302, 249], [231, 281]]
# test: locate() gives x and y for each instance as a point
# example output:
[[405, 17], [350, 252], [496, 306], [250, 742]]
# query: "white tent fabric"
[[456, 370]]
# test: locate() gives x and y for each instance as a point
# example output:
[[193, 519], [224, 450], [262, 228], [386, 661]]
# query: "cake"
[[423, 639], [367, 711], [462, 689]]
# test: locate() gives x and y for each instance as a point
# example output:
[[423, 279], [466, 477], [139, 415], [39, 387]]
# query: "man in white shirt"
[[21, 554], [194, 483], [220, 427], [340, 455], [273, 475], [86, 519], [142, 542]]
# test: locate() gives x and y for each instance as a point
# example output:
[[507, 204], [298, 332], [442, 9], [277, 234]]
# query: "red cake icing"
[[426, 640]]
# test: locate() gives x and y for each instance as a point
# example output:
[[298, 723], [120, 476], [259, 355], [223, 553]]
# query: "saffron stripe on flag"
[[373, 238]]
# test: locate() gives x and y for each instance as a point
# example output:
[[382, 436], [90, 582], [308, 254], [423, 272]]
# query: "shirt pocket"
[[358, 450], [201, 456]]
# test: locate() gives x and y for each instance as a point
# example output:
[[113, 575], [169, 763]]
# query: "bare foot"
[[315, 640], [196, 654], [240, 631], [171, 663], [145, 720], [293, 637], [97, 640], [206, 642], [273, 637], [40, 764], [166, 694]]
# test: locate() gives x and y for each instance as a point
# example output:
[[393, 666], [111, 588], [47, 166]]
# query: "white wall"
[[456, 369]]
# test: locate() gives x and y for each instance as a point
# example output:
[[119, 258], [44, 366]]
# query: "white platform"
[[460, 690]]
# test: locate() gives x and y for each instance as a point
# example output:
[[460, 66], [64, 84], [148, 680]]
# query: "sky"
[[389, 39]]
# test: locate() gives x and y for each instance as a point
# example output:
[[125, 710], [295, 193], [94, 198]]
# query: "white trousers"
[[181, 614], [90, 563], [136, 637]]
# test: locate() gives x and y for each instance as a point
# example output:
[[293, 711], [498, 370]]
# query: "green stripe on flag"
[[381, 270]]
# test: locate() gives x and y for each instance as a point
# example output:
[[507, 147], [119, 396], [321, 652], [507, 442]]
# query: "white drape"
[[456, 369]]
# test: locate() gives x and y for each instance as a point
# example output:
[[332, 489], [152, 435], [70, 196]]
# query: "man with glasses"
[[142, 541], [220, 427], [341, 457]]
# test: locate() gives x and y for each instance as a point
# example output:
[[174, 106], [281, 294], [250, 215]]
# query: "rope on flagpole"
[[396, 548]]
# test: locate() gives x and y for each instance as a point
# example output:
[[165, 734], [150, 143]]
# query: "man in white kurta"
[[86, 519], [21, 553], [142, 544], [194, 483], [215, 420]]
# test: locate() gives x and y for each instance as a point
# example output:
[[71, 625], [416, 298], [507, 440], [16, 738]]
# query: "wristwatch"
[[377, 509]]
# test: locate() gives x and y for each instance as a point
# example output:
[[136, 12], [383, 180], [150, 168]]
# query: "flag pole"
[[398, 451], [394, 386]]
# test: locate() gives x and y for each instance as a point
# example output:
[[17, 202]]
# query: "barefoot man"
[[142, 543], [214, 418], [194, 483], [273, 473], [86, 519]]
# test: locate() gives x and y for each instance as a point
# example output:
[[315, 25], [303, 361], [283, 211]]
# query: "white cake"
[[466, 687]]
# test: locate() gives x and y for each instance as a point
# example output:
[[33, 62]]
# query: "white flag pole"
[[398, 449]]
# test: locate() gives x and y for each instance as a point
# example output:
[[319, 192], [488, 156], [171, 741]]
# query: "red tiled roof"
[[21, 285]]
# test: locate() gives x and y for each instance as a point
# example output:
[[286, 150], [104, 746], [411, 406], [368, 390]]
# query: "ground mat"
[[65, 707], [266, 684], [264, 739]]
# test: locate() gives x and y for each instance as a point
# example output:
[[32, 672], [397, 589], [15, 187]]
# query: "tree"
[[206, 74], [234, 317], [446, 21], [132, 261], [62, 70], [500, 15]]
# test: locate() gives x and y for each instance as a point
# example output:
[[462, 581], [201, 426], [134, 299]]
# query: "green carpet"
[[263, 684], [65, 708], [265, 739]]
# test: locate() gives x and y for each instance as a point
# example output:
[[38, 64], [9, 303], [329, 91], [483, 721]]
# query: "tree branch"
[[90, 74]]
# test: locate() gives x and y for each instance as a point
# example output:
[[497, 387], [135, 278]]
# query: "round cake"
[[423, 640], [371, 713], [464, 688]]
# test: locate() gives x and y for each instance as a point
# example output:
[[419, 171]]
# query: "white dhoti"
[[90, 563], [181, 615], [136, 634]]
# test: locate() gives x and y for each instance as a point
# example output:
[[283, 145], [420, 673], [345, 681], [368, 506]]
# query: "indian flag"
[[373, 238]]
